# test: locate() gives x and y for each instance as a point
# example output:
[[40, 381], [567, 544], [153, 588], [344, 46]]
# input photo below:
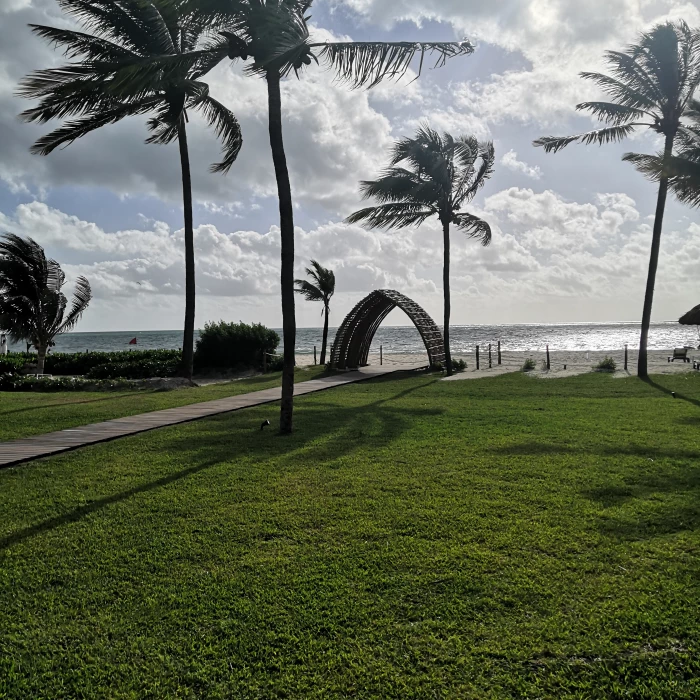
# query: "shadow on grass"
[[324, 433], [83, 511], [669, 392], [63, 404], [653, 501], [546, 448]]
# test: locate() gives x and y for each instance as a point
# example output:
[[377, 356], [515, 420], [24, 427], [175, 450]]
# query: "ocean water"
[[405, 339]]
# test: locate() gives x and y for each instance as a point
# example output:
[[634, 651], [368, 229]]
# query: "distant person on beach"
[[3, 344]]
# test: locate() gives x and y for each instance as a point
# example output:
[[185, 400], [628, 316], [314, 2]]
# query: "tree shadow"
[[325, 432], [546, 448], [63, 404], [669, 392], [651, 502], [83, 511]]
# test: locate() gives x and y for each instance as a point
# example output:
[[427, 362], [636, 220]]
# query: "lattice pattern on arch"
[[354, 337]]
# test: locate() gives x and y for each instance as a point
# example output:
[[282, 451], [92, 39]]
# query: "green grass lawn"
[[24, 414], [498, 538]]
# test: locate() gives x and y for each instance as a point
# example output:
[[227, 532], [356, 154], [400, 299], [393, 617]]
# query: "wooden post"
[[381, 354], [625, 357], [499, 352], [477, 357], [548, 364], [264, 361], [314, 355], [489, 355]]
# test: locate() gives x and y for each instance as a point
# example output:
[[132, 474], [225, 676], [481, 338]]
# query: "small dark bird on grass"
[[264, 425]]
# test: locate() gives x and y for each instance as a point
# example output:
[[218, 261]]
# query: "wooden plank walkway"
[[37, 446]]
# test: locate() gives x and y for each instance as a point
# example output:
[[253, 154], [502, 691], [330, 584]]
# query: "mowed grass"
[[24, 414], [498, 538]]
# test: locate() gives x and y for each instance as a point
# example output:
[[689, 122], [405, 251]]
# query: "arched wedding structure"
[[354, 337]]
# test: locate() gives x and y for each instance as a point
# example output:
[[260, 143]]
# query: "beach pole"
[[314, 355], [548, 364], [499, 352], [381, 354], [477, 357], [489, 355], [625, 357]]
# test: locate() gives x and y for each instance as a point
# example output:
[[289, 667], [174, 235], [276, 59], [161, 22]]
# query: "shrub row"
[[221, 346], [132, 364], [17, 382]]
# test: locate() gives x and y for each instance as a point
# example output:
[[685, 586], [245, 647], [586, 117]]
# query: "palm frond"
[[366, 64], [622, 93], [613, 113], [399, 185], [474, 227], [79, 44], [683, 173], [552, 144], [77, 128], [387, 216], [308, 290], [82, 296], [227, 129]]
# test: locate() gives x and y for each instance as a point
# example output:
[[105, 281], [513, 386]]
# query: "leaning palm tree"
[[32, 305], [275, 35], [429, 175], [682, 168], [102, 87], [652, 85], [321, 289]]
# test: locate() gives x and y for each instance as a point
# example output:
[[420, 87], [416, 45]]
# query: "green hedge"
[[229, 345], [136, 364], [15, 382]]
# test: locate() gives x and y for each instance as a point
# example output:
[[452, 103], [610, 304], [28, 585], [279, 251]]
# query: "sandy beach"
[[562, 363]]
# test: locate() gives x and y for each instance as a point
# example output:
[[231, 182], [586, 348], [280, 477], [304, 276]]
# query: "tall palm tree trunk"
[[284, 191], [642, 366], [324, 344], [41, 358], [446, 293], [188, 336]]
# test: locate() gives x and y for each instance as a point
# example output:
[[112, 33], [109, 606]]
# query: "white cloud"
[[510, 161]]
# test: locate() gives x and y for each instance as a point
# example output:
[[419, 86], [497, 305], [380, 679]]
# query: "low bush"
[[11, 364], [459, 365], [606, 365], [229, 345], [18, 382], [134, 364], [529, 365], [136, 370]]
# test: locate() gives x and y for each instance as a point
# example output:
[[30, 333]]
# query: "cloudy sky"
[[572, 231]]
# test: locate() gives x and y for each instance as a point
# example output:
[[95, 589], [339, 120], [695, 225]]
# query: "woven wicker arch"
[[354, 337]]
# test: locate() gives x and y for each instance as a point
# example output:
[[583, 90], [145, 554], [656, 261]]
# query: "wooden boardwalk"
[[26, 449]]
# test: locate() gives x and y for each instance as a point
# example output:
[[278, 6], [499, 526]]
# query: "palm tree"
[[439, 175], [682, 168], [32, 305], [651, 87], [322, 289], [275, 34], [103, 87]]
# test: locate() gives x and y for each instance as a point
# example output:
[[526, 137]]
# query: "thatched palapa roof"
[[692, 318]]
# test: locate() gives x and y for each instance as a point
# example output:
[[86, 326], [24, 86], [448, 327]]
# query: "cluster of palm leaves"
[[651, 86], [149, 57], [320, 289], [33, 306], [431, 174]]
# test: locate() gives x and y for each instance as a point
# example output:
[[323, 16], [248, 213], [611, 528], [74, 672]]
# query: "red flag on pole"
[[132, 341]]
